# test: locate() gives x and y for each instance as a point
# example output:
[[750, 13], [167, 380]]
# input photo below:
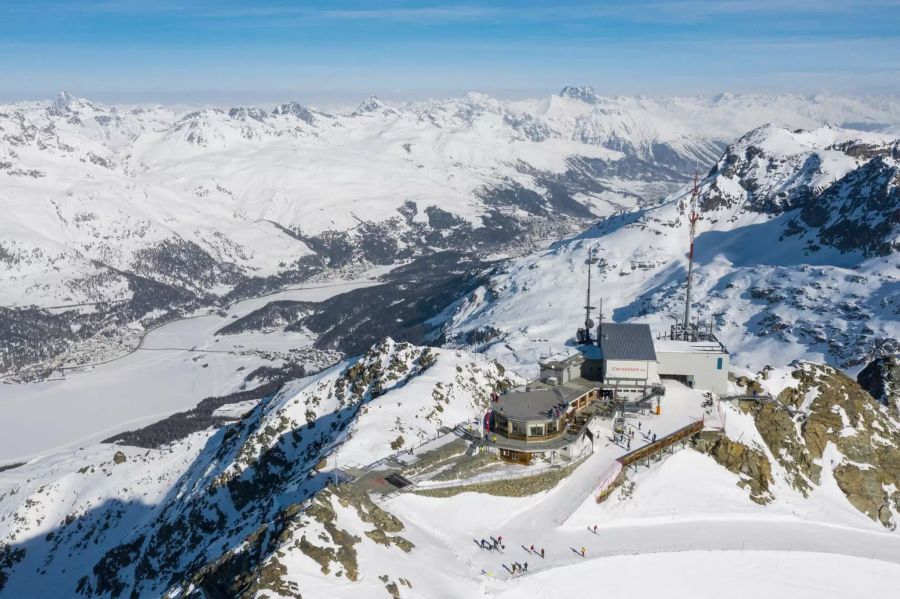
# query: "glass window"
[[719, 364], [537, 430]]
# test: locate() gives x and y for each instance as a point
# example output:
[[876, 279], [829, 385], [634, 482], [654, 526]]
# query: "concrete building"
[[628, 359], [561, 367], [698, 364]]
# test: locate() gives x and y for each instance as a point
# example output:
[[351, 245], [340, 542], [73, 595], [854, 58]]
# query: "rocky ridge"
[[224, 511]]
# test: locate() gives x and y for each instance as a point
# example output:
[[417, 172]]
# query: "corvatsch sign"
[[626, 369]]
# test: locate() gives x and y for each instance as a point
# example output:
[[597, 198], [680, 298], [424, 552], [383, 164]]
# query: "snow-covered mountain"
[[110, 521], [244, 511], [796, 250], [137, 214]]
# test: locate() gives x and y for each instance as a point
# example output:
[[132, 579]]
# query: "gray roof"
[[536, 403], [626, 341], [528, 405]]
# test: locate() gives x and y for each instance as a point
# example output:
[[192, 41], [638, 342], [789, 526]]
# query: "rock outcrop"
[[881, 378], [828, 408], [749, 463]]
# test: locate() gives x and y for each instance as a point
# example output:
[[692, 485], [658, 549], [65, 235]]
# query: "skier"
[[583, 551], [629, 444], [639, 425], [499, 540], [542, 553], [532, 549], [525, 567], [654, 437]]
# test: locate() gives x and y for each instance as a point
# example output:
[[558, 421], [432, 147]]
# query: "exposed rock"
[[519, 487], [9, 557], [780, 433], [881, 378], [751, 464], [827, 407]]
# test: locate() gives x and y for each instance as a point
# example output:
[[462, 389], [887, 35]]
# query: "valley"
[[280, 351]]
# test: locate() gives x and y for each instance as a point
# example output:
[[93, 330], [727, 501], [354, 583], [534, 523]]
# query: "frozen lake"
[[178, 365]]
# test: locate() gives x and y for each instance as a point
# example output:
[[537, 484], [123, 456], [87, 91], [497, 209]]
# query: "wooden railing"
[[660, 444], [613, 476]]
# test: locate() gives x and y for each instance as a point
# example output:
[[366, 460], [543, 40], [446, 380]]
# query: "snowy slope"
[[89, 188], [241, 511], [146, 213], [796, 245], [148, 520]]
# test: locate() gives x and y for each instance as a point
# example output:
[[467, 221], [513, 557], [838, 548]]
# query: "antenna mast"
[[693, 222], [588, 323]]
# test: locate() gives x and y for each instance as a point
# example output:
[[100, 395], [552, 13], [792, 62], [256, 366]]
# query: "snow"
[[684, 519], [685, 527], [700, 574], [178, 364], [114, 181], [766, 292]]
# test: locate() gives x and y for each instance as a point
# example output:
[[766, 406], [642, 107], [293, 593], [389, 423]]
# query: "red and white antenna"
[[693, 218]]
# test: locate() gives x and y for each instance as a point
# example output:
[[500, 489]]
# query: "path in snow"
[[535, 519], [701, 575]]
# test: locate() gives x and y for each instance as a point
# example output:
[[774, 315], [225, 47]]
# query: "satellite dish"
[[589, 323]]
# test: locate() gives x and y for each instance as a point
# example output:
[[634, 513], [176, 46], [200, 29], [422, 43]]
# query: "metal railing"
[[761, 397], [607, 481]]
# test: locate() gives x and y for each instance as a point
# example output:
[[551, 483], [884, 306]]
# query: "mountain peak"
[[295, 110], [585, 93], [243, 113], [372, 104], [64, 102]]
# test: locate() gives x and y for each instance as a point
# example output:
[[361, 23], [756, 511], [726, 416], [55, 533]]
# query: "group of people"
[[515, 567], [493, 544]]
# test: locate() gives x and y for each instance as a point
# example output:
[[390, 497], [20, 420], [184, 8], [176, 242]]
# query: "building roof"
[[528, 405], [536, 402], [626, 341], [562, 359], [691, 347]]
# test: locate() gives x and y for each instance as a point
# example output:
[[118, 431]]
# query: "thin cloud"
[[633, 11]]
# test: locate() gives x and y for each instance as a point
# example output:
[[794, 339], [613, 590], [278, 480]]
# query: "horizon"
[[123, 51], [398, 100]]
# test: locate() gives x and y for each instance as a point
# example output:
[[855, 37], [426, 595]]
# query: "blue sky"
[[230, 51]]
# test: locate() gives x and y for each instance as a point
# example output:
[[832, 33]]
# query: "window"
[[718, 363], [536, 430]]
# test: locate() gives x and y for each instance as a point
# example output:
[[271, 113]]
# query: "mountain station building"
[[624, 366]]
